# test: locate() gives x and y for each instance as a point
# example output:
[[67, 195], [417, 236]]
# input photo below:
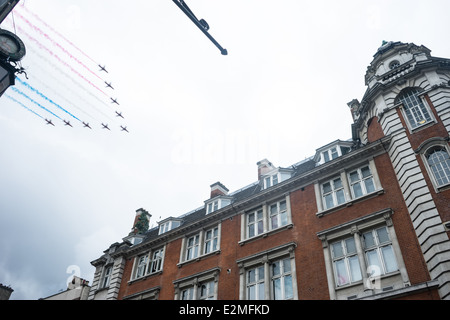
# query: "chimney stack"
[[141, 221], [218, 189], [264, 166]]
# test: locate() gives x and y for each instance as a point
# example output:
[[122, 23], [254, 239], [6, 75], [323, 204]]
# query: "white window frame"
[[264, 261], [197, 249], [348, 259], [190, 288], [286, 289], [333, 193], [106, 277], [169, 225], [361, 181], [347, 187], [356, 228], [271, 180], [282, 216], [144, 264], [218, 203], [255, 288], [431, 173], [422, 104], [378, 248], [254, 223]]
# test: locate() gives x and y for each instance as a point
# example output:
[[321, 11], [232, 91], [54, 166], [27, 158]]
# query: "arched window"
[[416, 111], [439, 162]]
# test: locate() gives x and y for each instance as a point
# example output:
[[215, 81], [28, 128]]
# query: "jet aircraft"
[[124, 128], [67, 123], [86, 125], [105, 126], [114, 101], [103, 68], [119, 114], [109, 85], [49, 122]]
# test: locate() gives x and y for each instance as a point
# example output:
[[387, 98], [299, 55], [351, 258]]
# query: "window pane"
[[251, 276], [275, 179], [340, 197], [288, 291], [365, 172], [326, 187], [287, 265], [274, 222], [251, 217], [337, 183], [373, 261], [370, 187], [283, 206], [383, 235], [350, 245], [261, 273], [273, 209], [261, 294], [368, 239], [260, 227], [355, 270], [329, 203], [341, 272], [337, 250], [389, 259], [334, 153], [277, 289], [276, 268], [357, 190], [251, 293], [354, 176]]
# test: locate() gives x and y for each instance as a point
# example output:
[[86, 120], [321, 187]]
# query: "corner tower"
[[408, 99]]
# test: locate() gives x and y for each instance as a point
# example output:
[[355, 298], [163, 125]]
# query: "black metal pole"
[[200, 26]]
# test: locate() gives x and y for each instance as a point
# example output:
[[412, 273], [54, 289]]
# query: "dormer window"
[[270, 181], [332, 151], [217, 203], [168, 224]]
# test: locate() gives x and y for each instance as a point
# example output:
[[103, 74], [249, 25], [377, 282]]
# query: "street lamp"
[[12, 50]]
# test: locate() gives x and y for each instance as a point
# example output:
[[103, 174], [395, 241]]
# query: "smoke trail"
[[41, 46], [55, 31], [45, 97], [20, 103], [33, 101], [42, 33], [70, 78]]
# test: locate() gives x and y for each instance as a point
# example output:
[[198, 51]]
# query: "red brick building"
[[366, 218]]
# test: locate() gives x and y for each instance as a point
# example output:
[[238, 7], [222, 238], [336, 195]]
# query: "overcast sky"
[[194, 116]]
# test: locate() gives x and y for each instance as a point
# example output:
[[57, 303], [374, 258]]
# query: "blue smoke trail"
[[35, 102], [45, 97], [20, 103]]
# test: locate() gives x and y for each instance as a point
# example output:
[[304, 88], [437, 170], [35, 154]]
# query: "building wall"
[[310, 268], [406, 201]]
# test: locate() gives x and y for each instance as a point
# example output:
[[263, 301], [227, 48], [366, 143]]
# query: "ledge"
[[349, 203], [266, 234], [199, 258]]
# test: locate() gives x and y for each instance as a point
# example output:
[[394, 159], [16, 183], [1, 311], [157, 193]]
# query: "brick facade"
[[285, 230]]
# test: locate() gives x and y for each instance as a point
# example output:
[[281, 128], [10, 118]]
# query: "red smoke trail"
[[68, 76], [41, 46], [59, 34], [37, 29]]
